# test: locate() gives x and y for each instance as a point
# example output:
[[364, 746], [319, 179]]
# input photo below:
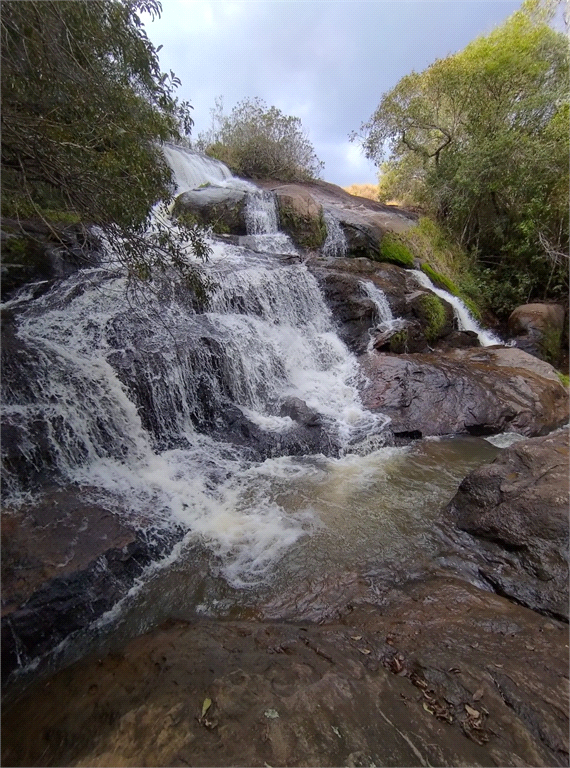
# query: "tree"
[[256, 141], [480, 140], [85, 108]]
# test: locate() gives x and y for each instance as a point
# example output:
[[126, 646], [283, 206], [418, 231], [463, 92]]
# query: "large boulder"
[[364, 221], [478, 391], [538, 329], [222, 208], [301, 216], [516, 510]]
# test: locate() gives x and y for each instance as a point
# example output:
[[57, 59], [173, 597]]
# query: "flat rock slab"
[[448, 675], [515, 512], [480, 391]]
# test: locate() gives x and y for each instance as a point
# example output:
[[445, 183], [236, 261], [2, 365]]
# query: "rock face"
[[341, 280], [32, 251], [447, 675], [65, 561], [300, 216], [538, 329], [364, 221], [516, 510], [480, 391], [222, 208]]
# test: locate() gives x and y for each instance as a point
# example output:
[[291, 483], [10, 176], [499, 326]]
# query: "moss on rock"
[[394, 251]]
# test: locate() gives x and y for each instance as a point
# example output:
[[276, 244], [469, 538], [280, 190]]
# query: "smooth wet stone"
[[444, 675], [515, 512]]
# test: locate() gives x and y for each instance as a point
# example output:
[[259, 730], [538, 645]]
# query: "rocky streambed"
[[413, 601]]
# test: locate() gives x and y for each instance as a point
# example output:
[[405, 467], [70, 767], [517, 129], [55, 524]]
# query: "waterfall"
[[192, 169], [139, 402], [335, 243], [464, 318]]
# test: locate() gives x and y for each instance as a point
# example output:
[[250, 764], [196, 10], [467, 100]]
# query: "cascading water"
[[386, 322], [136, 401], [335, 243], [464, 318]]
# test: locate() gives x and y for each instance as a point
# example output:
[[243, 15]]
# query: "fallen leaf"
[[206, 706], [471, 711], [427, 708], [365, 651], [356, 637], [336, 730], [478, 694], [498, 665], [454, 669], [272, 714]]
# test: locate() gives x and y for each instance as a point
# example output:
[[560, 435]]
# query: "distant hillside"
[[363, 190]]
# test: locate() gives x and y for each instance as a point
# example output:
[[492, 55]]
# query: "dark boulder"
[[515, 511], [66, 559], [222, 208]]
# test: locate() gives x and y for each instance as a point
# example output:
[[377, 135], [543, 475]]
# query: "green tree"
[[480, 140], [84, 110], [256, 141]]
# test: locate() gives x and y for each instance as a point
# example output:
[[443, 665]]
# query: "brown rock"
[[538, 328], [480, 391], [517, 509], [447, 675], [300, 216]]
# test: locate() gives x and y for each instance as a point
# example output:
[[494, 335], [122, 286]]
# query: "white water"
[[191, 170], [386, 322], [122, 393], [464, 318], [335, 243]]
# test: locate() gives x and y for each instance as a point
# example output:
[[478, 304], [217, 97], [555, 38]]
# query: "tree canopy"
[[258, 141], [480, 140], [84, 110]]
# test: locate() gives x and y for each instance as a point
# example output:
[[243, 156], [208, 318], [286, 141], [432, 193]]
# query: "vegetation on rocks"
[[434, 316], [257, 141], [479, 140], [395, 251], [84, 110]]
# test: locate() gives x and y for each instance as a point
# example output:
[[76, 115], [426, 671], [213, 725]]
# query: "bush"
[[260, 142], [394, 251]]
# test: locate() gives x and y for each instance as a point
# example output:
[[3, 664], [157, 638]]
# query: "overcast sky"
[[327, 62]]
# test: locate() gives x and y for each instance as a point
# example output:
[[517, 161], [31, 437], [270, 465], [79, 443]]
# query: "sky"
[[327, 62]]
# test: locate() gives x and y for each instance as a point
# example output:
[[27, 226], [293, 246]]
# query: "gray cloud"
[[325, 61]]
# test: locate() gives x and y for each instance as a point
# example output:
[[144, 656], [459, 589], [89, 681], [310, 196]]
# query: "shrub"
[[260, 142], [394, 251]]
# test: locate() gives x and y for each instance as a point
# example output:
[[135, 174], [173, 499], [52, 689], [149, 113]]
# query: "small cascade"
[[464, 318], [335, 244], [261, 213], [387, 324], [192, 169]]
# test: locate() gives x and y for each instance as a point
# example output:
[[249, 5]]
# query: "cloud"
[[325, 61]]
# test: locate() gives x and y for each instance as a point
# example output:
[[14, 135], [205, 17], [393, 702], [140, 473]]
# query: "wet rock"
[[515, 511], [66, 559], [341, 280], [300, 216], [538, 329], [33, 252], [222, 208], [479, 391], [448, 675]]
